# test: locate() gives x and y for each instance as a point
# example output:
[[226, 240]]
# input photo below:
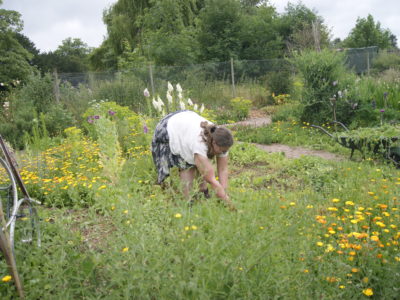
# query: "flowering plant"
[[175, 101]]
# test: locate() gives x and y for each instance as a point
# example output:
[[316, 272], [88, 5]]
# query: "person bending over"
[[188, 141]]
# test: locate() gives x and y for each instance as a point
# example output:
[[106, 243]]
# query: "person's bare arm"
[[222, 168], [206, 169]]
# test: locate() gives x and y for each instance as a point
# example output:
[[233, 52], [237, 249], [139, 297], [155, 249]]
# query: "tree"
[[301, 28], [368, 33], [219, 31], [258, 35], [14, 58]]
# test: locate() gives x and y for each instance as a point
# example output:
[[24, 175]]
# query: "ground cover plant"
[[305, 228]]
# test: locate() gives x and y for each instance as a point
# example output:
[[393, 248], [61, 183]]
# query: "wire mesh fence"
[[201, 81]]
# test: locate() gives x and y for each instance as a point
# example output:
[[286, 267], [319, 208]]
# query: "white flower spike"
[[182, 105], [146, 93], [179, 88], [170, 87], [202, 108], [169, 98]]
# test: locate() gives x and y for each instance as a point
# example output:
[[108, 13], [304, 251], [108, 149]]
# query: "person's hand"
[[229, 204]]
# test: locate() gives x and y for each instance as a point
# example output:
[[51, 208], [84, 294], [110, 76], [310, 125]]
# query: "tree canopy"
[[367, 33], [14, 58]]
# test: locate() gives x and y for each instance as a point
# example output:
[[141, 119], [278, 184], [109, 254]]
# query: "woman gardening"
[[188, 141]]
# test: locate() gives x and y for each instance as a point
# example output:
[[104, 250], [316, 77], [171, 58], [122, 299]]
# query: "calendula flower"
[[178, 215], [368, 292], [6, 278]]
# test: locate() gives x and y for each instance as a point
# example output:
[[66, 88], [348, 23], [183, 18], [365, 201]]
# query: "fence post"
[[368, 62], [56, 86], [233, 79]]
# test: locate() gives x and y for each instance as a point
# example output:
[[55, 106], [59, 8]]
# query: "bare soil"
[[258, 118]]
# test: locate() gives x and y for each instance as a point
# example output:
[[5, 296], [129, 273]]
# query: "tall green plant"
[[323, 73]]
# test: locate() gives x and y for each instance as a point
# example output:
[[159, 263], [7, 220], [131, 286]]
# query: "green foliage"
[[385, 61], [279, 82], [219, 30], [14, 58], [368, 33], [38, 90], [133, 131], [240, 108], [237, 110], [296, 27], [323, 74], [110, 154]]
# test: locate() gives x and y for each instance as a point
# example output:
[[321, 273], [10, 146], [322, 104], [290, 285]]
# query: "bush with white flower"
[[175, 101]]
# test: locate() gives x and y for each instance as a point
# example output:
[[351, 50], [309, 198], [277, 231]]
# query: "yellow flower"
[[178, 215], [125, 249], [102, 187], [368, 292], [342, 286], [354, 270], [335, 200], [320, 244], [6, 278], [349, 203], [374, 238], [125, 211], [194, 227]]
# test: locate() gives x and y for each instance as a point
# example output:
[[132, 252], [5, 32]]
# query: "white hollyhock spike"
[[202, 108], [179, 88], [182, 105], [190, 102], [170, 87], [180, 96], [195, 107], [146, 93], [155, 103], [169, 98]]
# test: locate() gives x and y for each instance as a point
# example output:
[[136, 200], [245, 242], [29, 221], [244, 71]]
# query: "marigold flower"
[[374, 238], [6, 278], [368, 292]]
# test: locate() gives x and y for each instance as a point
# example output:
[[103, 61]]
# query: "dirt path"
[[258, 119]]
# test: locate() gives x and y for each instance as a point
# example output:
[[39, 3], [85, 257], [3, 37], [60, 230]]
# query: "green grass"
[[148, 243], [305, 228]]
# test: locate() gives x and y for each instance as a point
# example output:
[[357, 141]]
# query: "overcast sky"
[[48, 22]]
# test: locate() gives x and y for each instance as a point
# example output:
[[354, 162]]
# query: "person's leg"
[[187, 177]]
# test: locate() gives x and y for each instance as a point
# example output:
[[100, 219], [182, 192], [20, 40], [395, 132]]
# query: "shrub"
[[322, 74]]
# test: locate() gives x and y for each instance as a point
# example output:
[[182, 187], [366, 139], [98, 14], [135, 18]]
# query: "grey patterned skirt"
[[162, 155]]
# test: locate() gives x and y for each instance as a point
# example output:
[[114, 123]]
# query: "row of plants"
[[303, 229]]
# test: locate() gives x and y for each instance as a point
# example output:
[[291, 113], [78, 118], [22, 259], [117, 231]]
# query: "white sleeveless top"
[[185, 138]]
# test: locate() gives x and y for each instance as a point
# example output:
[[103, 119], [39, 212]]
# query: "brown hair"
[[220, 135]]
